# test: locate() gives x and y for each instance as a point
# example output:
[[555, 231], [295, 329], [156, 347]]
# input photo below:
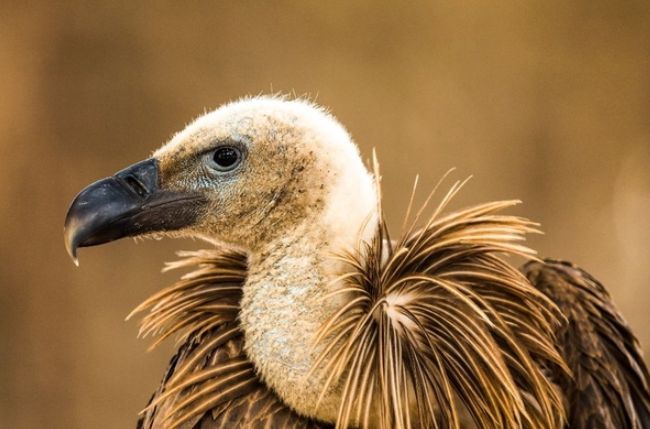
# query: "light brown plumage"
[[438, 320]]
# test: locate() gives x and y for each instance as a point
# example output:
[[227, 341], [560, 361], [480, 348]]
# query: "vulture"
[[305, 312]]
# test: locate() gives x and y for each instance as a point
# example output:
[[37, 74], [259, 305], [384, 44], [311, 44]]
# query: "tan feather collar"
[[436, 321]]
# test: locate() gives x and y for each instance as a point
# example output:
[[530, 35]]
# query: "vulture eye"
[[225, 158]]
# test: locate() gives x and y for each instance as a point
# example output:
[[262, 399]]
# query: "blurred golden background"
[[544, 101]]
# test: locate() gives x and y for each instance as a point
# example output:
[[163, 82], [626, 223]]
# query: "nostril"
[[136, 186]]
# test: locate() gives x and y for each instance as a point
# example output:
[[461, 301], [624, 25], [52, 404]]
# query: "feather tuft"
[[438, 322]]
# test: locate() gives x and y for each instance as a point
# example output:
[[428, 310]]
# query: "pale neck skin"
[[285, 297]]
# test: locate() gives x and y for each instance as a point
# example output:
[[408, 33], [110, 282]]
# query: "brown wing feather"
[[210, 383], [609, 387]]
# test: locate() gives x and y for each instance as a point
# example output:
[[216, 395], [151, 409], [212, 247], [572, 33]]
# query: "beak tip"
[[71, 246]]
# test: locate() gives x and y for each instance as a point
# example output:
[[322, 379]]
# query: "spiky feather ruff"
[[438, 321]]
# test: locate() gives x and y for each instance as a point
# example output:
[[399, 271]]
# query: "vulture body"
[[306, 313]]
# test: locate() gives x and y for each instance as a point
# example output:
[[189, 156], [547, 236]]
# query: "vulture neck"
[[285, 299]]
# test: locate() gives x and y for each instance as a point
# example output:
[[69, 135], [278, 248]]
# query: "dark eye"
[[226, 158]]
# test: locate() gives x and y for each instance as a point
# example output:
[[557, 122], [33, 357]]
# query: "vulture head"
[[245, 174]]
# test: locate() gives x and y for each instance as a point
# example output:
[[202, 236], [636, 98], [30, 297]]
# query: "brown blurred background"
[[547, 101]]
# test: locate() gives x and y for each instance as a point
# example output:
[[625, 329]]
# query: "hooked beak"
[[128, 204]]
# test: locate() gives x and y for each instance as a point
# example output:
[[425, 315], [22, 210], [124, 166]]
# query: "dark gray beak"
[[128, 204]]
